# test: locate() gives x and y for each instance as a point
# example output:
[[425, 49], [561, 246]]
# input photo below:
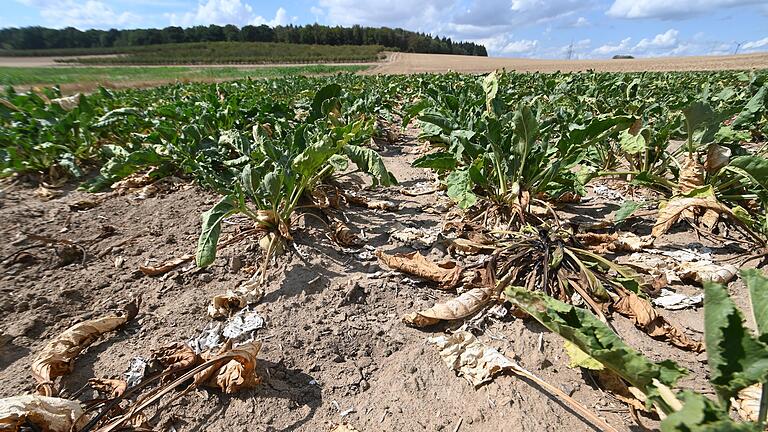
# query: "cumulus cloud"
[[505, 45], [666, 9], [223, 12], [424, 16], [81, 14], [606, 49], [516, 13], [667, 39]]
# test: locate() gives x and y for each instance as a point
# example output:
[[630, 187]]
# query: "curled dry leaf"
[[470, 358], [68, 102], [43, 413], [468, 247], [344, 236], [717, 157], [691, 175], [166, 267], [236, 374], [462, 306], [362, 201], [457, 308], [647, 319], [616, 242], [225, 305], [58, 356], [446, 273], [675, 208], [613, 384], [133, 181], [113, 388], [702, 271], [748, 402], [177, 356]]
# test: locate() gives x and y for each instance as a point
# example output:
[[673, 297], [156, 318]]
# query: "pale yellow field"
[[405, 63]]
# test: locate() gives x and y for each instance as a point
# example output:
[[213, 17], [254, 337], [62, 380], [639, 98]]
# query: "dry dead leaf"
[[470, 358], [43, 413], [670, 214], [225, 305], [133, 181], [46, 194], [613, 384], [113, 388], [717, 157], [691, 175], [748, 402], [647, 319], [468, 247], [701, 272], [460, 307], [446, 273], [235, 374], [616, 242], [344, 236], [58, 356], [175, 356], [166, 266], [362, 201]]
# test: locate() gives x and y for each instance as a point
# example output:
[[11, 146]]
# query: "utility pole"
[[738, 45], [570, 50]]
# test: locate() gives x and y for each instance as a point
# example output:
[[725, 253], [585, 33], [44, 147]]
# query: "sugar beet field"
[[497, 252]]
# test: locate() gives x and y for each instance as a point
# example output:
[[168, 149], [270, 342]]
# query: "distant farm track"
[[406, 63]]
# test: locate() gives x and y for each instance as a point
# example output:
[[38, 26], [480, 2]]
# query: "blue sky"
[[510, 28]]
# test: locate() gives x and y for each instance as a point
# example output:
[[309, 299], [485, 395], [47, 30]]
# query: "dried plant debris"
[[40, 413], [417, 238], [671, 300], [362, 201], [344, 427], [684, 265], [647, 319], [748, 402], [58, 356], [240, 328], [447, 273], [479, 363], [615, 242], [470, 358], [166, 266], [112, 388], [176, 356], [235, 374], [460, 307], [345, 236], [225, 305]]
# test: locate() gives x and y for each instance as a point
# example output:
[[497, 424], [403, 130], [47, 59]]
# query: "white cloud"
[[581, 22], [424, 16], [87, 14], [611, 49], [668, 9], [667, 39], [758, 45], [504, 45], [223, 12]]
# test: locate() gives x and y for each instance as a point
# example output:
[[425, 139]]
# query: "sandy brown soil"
[[334, 343], [406, 63]]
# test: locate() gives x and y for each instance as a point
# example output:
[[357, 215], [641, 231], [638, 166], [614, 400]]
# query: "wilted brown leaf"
[[362, 201], [111, 387], [446, 273], [235, 374], [616, 242], [691, 175], [460, 307], [647, 319], [167, 266], [58, 356], [747, 402], [700, 272], [671, 213], [227, 304], [344, 236], [613, 384], [717, 157], [176, 356], [470, 358], [133, 181], [43, 413], [468, 247]]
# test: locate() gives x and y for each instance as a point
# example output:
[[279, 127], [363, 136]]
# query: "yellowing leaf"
[[579, 358]]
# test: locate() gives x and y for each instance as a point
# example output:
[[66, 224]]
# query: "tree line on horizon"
[[35, 38]]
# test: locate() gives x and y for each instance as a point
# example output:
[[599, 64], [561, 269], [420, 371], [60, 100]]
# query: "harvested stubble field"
[[315, 193]]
